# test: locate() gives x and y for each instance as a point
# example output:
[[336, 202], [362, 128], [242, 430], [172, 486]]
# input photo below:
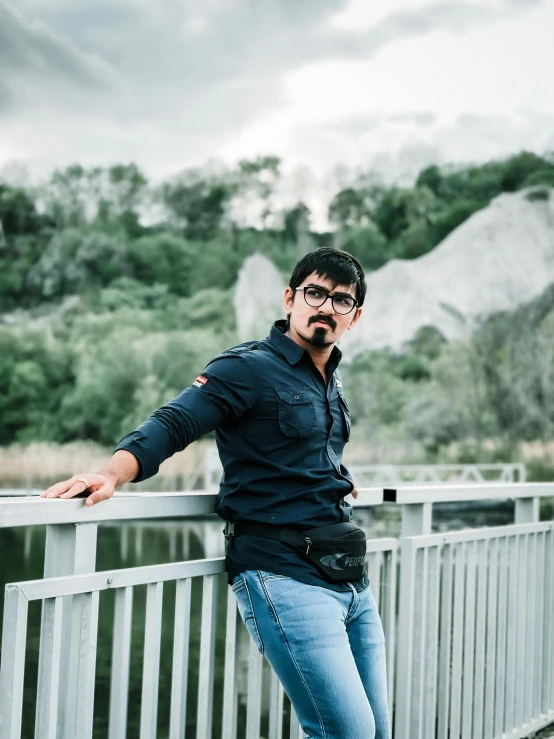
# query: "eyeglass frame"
[[327, 297]]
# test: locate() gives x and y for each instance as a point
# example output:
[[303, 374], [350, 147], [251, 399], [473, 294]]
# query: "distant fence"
[[404, 474], [469, 629], [419, 474]]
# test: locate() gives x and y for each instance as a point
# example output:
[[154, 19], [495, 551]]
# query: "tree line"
[[115, 292]]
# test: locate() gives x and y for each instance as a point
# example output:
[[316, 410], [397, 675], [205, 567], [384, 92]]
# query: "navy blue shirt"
[[280, 432]]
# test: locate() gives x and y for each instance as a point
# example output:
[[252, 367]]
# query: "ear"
[[288, 300], [357, 316]]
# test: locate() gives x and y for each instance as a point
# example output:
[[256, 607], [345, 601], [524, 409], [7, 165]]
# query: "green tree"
[[77, 260], [401, 208], [427, 342], [296, 223], [66, 197], [366, 243], [539, 177], [75, 196], [164, 259], [259, 177], [197, 207], [453, 216], [35, 371], [349, 208], [432, 178], [519, 167], [18, 213]]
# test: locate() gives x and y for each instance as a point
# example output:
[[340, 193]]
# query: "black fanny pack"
[[338, 551]]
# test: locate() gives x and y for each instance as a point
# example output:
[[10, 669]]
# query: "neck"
[[319, 355]]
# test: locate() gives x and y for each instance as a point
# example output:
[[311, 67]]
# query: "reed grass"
[[40, 464]]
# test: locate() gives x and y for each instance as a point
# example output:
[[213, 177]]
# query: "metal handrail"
[[441, 493], [33, 511]]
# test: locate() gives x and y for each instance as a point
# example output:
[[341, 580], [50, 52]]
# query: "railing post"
[[70, 550], [416, 519], [527, 510], [14, 635], [404, 654]]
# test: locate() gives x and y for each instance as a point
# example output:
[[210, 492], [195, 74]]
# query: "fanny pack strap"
[[267, 531]]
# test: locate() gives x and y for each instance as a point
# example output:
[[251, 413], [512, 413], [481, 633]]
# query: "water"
[[130, 545]]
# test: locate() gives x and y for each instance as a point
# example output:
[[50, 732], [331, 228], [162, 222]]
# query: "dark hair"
[[336, 265]]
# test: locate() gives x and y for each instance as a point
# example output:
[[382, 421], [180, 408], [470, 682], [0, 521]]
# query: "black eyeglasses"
[[317, 296]]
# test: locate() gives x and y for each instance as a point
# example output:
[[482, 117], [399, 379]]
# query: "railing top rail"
[[33, 511], [55, 587], [382, 545], [422, 541], [367, 497], [441, 493], [445, 467]]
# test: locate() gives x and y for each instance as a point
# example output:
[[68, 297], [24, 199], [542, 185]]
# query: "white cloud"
[[171, 83]]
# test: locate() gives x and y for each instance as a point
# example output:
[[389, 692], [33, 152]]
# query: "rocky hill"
[[499, 258]]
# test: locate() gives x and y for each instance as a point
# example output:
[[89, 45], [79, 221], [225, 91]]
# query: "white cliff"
[[258, 297], [500, 257]]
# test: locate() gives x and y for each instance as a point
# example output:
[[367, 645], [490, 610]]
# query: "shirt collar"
[[292, 351]]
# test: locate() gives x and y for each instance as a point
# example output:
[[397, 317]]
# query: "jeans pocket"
[[265, 576], [238, 583], [246, 610]]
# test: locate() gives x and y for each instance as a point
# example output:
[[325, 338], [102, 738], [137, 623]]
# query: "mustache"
[[324, 319]]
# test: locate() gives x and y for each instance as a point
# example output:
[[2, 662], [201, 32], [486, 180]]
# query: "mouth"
[[321, 323]]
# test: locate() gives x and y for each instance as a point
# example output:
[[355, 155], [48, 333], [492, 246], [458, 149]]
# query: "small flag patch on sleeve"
[[200, 381]]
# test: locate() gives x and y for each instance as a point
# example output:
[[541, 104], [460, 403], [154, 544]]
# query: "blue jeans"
[[327, 649]]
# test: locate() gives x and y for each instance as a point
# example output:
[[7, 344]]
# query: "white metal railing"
[[383, 475], [476, 633], [417, 474], [85, 591], [447, 587]]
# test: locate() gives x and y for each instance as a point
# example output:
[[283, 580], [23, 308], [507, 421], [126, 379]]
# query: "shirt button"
[[296, 397]]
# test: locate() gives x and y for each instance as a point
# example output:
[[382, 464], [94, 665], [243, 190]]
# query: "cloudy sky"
[[169, 84]]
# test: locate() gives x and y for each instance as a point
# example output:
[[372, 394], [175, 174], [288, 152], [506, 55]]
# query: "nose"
[[327, 307]]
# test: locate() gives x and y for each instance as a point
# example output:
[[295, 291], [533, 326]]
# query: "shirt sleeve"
[[220, 395]]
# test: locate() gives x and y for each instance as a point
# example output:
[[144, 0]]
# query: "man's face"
[[322, 325]]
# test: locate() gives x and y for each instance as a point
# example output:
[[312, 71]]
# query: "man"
[[281, 424]]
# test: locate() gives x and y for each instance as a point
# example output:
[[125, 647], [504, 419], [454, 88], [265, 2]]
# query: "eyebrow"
[[320, 287]]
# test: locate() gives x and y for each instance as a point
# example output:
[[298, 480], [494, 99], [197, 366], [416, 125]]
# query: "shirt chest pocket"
[[296, 411]]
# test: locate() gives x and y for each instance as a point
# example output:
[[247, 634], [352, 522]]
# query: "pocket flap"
[[293, 397]]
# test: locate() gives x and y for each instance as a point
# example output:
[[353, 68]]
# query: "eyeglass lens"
[[341, 303]]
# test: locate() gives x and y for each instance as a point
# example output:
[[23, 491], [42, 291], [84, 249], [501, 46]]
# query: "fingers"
[[103, 493], [354, 493], [71, 487], [77, 489], [98, 486]]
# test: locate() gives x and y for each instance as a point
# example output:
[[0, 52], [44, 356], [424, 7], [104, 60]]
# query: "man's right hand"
[[99, 487]]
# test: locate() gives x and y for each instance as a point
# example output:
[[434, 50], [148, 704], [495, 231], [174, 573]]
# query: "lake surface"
[[132, 545]]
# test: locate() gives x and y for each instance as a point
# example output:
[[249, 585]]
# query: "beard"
[[319, 338]]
